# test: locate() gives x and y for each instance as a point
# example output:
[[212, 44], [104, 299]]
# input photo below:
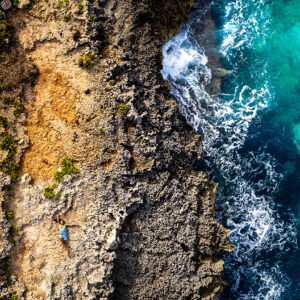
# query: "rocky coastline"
[[142, 223]]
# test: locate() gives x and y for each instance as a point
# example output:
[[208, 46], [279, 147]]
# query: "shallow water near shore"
[[251, 136]]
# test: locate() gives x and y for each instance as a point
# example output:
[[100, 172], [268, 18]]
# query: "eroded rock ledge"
[[144, 221]]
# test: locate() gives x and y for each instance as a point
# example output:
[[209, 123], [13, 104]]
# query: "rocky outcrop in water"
[[142, 221]]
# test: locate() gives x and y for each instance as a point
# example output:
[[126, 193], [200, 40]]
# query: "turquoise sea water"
[[251, 136]]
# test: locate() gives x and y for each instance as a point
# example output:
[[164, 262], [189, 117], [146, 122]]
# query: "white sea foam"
[[251, 214]]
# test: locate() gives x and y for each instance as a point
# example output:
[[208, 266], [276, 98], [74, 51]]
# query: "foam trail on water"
[[248, 179]]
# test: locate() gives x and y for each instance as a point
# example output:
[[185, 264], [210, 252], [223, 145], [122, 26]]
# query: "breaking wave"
[[230, 125]]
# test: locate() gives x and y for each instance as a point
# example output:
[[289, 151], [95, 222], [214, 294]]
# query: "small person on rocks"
[[63, 235]]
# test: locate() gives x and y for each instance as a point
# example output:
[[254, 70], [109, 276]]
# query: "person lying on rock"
[[63, 235]]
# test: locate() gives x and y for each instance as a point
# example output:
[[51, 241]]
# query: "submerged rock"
[[219, 72]]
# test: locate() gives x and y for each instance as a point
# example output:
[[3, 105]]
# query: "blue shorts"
[[63, 233]]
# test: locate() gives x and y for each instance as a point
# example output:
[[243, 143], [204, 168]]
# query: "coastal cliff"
[[85, 80]]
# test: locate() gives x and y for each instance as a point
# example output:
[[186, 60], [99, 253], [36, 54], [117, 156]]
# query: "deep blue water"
[[251, 135]]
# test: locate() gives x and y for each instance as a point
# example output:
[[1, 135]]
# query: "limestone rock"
[[24, 3], [5, 4], [141, 220], [26, 179]]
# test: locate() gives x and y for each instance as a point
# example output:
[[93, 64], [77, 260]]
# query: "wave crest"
[[248, 179]]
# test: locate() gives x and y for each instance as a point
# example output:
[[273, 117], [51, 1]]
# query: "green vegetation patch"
[[3, 121], [13, 230], [80, 6], [48, 192], [14, 297], [8, 142], [7, 264], [111, 82], [15, 3], [61, 3], [67, 168], [6, 87], [86, 62], [9, 167], [58, 195], [7, 100], [6, 32], [9, 215], [123, 109], [67, 18], [19, 108]]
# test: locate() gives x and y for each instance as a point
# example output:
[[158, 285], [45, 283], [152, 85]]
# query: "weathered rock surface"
[[142, 218], [5, 4]]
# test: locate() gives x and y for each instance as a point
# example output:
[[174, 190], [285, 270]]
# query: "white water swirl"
[[246, 203]]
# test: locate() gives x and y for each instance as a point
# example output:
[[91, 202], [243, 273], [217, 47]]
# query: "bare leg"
[[65, 244]]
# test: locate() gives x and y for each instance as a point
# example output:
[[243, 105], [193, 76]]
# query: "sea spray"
[[238, 130]]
